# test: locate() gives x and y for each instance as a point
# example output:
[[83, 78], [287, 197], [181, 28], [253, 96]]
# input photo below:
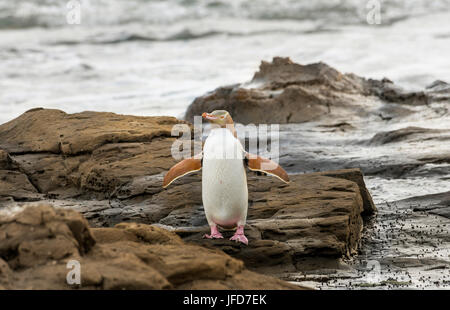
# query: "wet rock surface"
[[411, 134], [407, 245], [38, 242]]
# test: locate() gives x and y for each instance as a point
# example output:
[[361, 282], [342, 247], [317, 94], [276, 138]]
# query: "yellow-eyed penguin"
[[224, 180]]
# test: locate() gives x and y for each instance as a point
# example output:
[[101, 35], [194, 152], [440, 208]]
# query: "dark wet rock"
[[438, 204], [388, 91], [37, 243], [436, 158], [390, 111], [405, 246], [439, 90], [295, 93], [410, 133], [308, 148], [341, 126]]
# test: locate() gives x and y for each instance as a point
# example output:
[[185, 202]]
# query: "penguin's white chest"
[[224, 181]]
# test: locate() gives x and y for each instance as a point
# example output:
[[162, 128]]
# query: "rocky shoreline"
[[118, 179], [39, 242], [319, 231]]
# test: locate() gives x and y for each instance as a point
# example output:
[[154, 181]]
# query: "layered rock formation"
[[65, 155], [296, 93], [37, 244]]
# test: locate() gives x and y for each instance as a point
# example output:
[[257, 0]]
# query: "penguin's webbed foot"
[[215, 234], [239, 236]]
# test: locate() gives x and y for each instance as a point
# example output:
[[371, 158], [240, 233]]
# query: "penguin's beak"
[[209, 117]]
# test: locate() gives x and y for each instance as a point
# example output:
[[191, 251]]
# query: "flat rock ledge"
[[37, 243], [110, 168]]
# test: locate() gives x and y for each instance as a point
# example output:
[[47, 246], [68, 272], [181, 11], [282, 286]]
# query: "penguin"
[[223, 162]]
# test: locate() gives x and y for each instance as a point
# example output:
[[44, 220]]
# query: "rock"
[[13, 182], [54, 131], [40, 234], [438, 204], [108, 169], [356, 176], [315, 215], [37, 242], [439, 90], [117, 178], [6, 163], [410, 133], [436, 158], [283, 72], [342, 126], [65, 155], [296, 93], [17, 185], [386, 90], [409, 242]]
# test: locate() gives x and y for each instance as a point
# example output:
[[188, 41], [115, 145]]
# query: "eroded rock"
[[37, 242], [315, 215], [409, 133], [117, 178], [295, 93], [65, 155]]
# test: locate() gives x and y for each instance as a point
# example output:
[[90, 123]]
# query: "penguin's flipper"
[[261, 164], [181, 169]]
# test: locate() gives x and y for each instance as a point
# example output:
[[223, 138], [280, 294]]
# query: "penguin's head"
[[219, 117]]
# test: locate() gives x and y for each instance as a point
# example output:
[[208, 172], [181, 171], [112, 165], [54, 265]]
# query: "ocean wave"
[[186, 34], [52, 13]]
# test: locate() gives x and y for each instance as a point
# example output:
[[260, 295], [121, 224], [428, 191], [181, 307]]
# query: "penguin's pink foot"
[[239, 236], [215, 234]]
